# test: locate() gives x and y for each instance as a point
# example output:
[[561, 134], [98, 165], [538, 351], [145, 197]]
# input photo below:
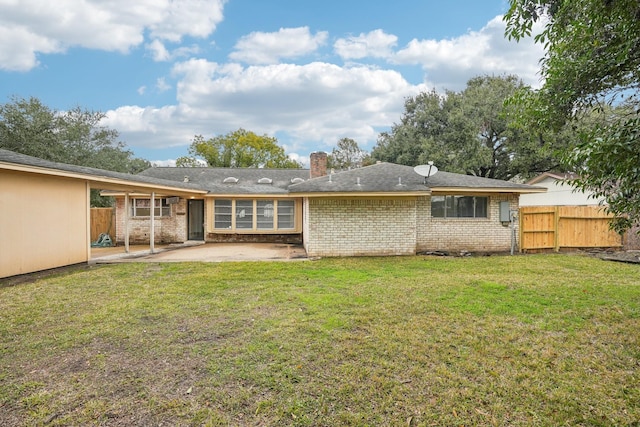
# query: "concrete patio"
[[200, 252]]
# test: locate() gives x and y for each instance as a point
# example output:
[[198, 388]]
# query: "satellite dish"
[[426, 170]]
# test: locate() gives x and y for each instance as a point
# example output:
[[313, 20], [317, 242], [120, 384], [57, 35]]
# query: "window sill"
[[246, 231]]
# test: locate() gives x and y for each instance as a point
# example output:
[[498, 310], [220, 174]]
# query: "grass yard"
[[540, 340]]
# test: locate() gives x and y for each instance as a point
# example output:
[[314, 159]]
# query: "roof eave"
[[462, 190], [363, 194], [98, 182]]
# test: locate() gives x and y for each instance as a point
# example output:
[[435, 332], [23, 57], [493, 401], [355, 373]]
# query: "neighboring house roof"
[[393, 178], [98, 178], [223, 180], [559, 176]]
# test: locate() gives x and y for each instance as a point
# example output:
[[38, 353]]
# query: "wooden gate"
[[103, 221], [544, 228]]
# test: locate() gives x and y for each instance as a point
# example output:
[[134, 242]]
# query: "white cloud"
[[450, 63], [269, 48], [196, 18], [376, 44], [160, 53], [30, 27], [13, 54], [163, 163], [317, 102], [142, 90], [162, 85]]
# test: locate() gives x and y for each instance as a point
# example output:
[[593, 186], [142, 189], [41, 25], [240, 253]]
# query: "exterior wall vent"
[[230, 180]]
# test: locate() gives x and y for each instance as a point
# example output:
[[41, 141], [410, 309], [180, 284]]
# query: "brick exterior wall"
[[292, 239], [171, 229], [355, 227], [352, 227], [467, 234]]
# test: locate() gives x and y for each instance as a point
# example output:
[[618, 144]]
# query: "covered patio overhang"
[[153, 191], [109, 183]]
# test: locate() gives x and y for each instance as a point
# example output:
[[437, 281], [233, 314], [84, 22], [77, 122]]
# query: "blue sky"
[[306, 72]]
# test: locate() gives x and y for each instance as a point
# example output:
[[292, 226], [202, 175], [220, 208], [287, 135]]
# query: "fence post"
[[556, 229]]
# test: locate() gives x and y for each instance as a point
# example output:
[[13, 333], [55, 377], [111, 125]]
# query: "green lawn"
[[548, 340]]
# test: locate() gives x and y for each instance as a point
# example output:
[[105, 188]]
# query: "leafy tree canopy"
[[347, 155], [467, 132], [238, 149], [591, 73], [75, 137]]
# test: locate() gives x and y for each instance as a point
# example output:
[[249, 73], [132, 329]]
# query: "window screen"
[[222, 214], [459, 207], [286, 217], [244, 214]]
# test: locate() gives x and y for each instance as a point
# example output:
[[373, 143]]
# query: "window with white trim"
[[253, 214], [459, 206], [142, 207]]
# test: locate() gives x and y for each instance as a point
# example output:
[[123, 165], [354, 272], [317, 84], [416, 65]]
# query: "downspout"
[[88, 219]]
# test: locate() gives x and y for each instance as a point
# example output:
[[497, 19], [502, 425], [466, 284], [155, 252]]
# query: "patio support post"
[[152, 232], [88, 231], [126, 222]]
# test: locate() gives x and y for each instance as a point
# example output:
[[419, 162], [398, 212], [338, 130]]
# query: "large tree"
[[347, 154], [591, 69], [75, 137], [467, 132], [238, 149]]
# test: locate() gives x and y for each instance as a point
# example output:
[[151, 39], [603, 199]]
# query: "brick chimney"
[[318, 162]]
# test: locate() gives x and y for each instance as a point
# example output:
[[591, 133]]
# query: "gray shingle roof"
[[22, 159], [381, 177], [212, 179], [448, 180], [392, 178], [378, 178]]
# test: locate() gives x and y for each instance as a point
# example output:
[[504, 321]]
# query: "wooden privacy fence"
[[103, 221], [544, 228]]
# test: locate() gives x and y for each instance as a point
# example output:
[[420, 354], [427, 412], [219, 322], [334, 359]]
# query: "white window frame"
[[161, 208], [258, 210]]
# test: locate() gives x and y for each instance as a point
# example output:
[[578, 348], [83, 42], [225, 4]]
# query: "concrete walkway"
[[201, 252]]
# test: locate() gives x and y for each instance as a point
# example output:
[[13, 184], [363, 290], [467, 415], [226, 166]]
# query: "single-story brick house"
[[383, 209]]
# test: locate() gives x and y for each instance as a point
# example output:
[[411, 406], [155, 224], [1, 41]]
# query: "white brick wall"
[[466, 234], [351, 227]]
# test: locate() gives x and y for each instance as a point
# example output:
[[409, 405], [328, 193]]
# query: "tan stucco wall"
[[43, 222]]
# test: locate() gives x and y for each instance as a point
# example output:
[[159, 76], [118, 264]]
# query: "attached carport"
[[45, 210]]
